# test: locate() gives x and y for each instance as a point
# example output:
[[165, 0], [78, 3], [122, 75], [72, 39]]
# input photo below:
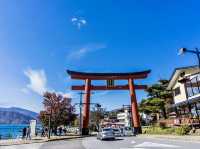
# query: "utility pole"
[[49, 114], [80, 108], [49, 124], [49, 127]]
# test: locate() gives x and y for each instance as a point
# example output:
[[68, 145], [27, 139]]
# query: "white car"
[[106, 133], [117, 132], [127, 131]]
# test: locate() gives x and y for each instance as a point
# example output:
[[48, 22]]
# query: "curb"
[[60, 139], [46, 140], [175, 138]]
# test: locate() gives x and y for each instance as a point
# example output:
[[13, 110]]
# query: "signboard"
[[110, 83], [33, 127]]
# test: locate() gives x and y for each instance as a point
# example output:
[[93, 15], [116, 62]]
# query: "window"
[[190, 91], [192, 86], [195, 86], [177, 91]]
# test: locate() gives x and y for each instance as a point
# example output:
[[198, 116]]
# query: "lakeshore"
[[12, 131]]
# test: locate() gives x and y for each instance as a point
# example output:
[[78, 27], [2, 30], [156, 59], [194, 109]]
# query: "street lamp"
[[196, 51]]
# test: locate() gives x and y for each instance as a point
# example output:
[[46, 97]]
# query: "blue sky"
[[39, 40]]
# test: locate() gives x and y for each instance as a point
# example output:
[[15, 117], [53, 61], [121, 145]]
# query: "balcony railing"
[[181, 121]]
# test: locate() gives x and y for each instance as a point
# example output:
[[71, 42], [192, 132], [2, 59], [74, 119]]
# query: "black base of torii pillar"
[[85, 131]]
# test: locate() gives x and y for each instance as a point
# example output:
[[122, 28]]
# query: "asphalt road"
[[121, 143]]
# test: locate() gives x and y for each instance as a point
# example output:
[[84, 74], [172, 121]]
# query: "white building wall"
[[124, 118], [183, 96]]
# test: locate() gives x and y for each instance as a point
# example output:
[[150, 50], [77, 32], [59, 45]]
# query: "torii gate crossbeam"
[[130, 77]]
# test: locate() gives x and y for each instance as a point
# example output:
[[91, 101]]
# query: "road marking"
[[131, 148], [133, 142], [23, 146], [151, 144]]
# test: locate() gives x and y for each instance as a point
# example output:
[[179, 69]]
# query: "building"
[[185, 85], [118, 118], [124, 118]]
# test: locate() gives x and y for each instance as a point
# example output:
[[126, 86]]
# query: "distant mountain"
[[16, 115]]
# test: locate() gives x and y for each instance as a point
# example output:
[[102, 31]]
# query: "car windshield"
[[107, 129], [127, 128], [115, 129]]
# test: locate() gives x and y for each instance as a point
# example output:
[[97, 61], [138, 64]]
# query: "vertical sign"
[[110, 83]]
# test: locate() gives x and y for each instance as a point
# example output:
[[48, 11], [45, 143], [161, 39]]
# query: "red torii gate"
[[130, 77]]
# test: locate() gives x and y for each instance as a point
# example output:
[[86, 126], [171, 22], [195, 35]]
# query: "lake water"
[[11, 130]]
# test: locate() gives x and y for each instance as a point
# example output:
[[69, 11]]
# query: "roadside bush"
[[183, 130], [162, 125], [158, 130]]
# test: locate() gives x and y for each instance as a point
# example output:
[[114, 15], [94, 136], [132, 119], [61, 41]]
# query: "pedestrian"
[[43, 132], [24, 133], [65, 131], [135, 131], [60, 131], [46, 131], [28, 133]]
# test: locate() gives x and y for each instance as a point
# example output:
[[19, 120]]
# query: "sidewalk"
[[35, 140], [189, 138]]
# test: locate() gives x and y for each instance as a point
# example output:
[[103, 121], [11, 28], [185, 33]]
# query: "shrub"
[[183, 130], [162, 125], [158, 130]]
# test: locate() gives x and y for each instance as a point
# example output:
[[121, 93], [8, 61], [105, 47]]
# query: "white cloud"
[[79, 22], [37, 80], [74, 19], [68, 95], [83, 21], [79, 53], [38, 83], [25, 90]]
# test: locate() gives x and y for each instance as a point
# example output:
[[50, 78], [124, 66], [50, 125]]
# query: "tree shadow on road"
[[118, 139]]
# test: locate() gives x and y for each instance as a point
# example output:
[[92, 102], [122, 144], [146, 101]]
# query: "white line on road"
[[151, 144], [24, 146], [133, 142], [132, 148]]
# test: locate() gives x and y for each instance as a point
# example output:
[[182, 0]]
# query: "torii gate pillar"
[[86, 110], [134, 108]]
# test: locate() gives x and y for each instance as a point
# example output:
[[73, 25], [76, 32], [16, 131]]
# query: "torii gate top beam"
[[108, 76]]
